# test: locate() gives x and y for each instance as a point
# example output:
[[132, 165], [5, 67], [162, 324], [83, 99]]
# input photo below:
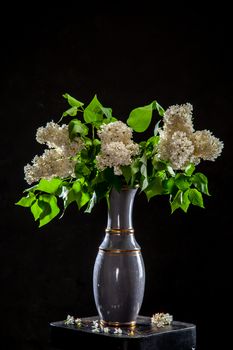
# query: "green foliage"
[[182, 182], [154, 188], [189, 169], [45, 209], [154, 176], [183, 199], [195, 197], [72, 101], [140, 117], [49, 186], [200, 181], [77, 128], [27, 201]]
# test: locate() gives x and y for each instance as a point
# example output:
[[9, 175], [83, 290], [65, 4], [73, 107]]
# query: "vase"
[[119, 272]]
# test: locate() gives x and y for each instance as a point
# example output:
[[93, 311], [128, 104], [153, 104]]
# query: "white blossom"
[[177, 149], [78, 322], [207, 146], [117, 148], [56, 136], [178, 118], [115, 131], [69, 320], [57, 160], [50, 164], [95, 330], [161, 319], [95, 326], [106, 330], [118, 331], [95, 323], [180, 145]]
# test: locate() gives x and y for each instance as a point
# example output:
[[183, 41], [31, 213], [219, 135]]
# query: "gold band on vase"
[[120, 251], [130, 324], [119, 231]]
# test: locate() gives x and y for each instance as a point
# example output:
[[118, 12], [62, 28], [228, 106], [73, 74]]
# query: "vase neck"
[[121, 209]]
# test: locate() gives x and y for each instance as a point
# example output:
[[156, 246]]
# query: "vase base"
[[131, 324]]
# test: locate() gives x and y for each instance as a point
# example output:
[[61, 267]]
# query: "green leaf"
[[36, 210], [27, 201], [143, 170], [159, 164], [182, 182], [185, 201], [88, 142], [177, 201], [72, 101], [50, 210], [195, 197], [169, 185], [81, 169], [154, 188], [200, 181], [69, 198], [49, 186], [181, 200], [107, 112], [109, 120], [135, 168], [77, 128], [152, 141], [189, 169], [93, 112], [126, 171], [140, 118], [96, 142], [77, 186], [91, 203], [82, 198], [71, 112], [161, 174], [159, 108]]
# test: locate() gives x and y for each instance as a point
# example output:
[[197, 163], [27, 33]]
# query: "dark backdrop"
[[128, 60]]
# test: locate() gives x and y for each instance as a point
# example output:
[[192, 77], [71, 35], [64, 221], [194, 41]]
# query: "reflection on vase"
[[119, 273]]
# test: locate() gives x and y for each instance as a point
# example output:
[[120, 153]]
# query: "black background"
[[128, 60]]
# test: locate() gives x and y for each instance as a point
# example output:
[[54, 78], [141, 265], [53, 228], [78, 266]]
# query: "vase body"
[[119, 273]]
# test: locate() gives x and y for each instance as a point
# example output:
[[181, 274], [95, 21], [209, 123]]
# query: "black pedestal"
[[145, 336]]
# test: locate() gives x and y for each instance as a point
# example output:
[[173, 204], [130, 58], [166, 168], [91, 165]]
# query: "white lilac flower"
[[177, 149], [115, 154], [116, 131], [56, 136], [161, 319], [118, 331], [180, 145], [106, 330], [95, 323], [78, 322], [95, 330], [50, 164], [178, 118], [117, 147], [69, 320], [95, 326], [57, 160], [207, 146]]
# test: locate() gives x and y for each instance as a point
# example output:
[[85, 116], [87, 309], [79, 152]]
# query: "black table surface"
[[145, 336]]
